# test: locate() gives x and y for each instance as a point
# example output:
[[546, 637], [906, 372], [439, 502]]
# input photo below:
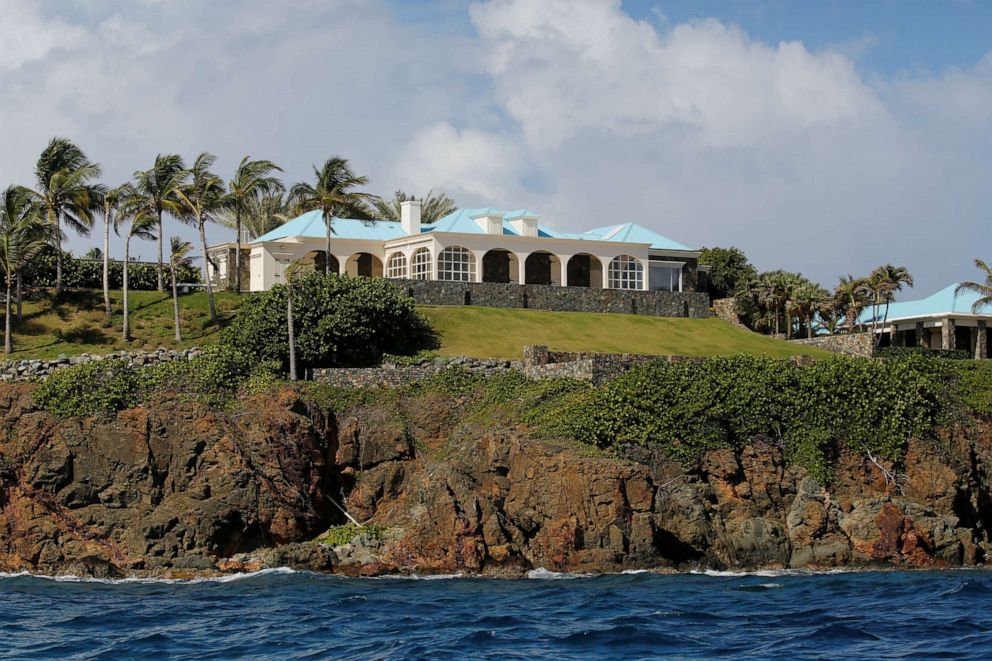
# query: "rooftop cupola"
[[410, 217], [491, 222], [524, 224]]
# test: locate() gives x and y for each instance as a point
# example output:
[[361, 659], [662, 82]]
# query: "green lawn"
[[502, 333], [77, 324]]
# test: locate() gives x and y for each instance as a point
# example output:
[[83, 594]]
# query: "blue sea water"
[[283, 614]]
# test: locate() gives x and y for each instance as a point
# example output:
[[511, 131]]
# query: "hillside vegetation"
[[77, 324]]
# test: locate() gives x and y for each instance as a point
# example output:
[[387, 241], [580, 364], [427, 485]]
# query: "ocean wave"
[[543, 574], [225, 578], [422, 577], [768, 573]]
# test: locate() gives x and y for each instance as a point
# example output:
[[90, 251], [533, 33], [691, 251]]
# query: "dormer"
[[491, 222], [524, 224]]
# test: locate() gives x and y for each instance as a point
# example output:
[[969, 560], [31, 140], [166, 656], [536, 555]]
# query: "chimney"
[[410, 217]]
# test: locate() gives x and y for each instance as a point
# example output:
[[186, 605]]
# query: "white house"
[[473, 245]]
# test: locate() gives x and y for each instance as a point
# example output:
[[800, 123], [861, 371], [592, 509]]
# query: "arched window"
[[456, 263], [626, 273], [396, 265], [420, 264]]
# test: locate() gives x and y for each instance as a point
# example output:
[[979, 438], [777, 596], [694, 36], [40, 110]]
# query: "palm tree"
[[157, 187], [432, 207], [851, 296], [884, 282], [178, 255], [110, 202], [24, 232], [252, 180], [984, 290], [65, 195], [142, 226], [333, 193], [808, 300], [200, 199], [260, 216]]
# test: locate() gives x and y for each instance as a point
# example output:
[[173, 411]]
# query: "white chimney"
[[410, 217]]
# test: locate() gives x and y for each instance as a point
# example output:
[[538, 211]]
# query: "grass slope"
[[77, 324], [502, 333]]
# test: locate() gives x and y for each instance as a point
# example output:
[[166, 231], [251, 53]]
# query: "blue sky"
[[822, 137]]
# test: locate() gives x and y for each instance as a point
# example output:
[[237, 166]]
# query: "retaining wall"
[[562, 299], [848, 344], [35, 369]]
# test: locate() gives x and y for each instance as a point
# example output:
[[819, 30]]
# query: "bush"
[[94, 388], [974, 386], [345, 534], [88, 274], [924, 352], [214, 377], [337, 320], [689, 407]]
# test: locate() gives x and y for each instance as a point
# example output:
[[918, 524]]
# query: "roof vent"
[[490, 223], [524, 225]]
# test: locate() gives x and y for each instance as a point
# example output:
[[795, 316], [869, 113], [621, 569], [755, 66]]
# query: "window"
[[420, 264], [396, 266], [456, 263], [664, 278], [626, 273]]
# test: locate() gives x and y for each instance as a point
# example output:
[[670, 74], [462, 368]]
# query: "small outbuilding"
[[947, 319]]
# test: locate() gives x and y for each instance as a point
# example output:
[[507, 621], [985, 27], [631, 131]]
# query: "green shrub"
[[923, 352], [973, 386], [345, 534], [337, 321], [215, 376], [94, 388], [88, 273], [689, 407]]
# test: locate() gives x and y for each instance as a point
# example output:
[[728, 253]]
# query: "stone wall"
[[564, 299], [848, 344], [36, 369], [398, 376], [726, 309]]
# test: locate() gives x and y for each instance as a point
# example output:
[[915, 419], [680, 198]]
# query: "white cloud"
[[26, 36]]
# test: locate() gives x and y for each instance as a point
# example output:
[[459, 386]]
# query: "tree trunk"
[[175, 299], [106, 263], [237, 251], [289, 329], [127, 312], [161, 239], [206, 275], [327, 245], [809, 326], [8, 337], [58, 256], [20, 297], [777, 318]]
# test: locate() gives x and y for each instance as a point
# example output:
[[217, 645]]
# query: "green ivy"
[[345, 534], [94, 388]]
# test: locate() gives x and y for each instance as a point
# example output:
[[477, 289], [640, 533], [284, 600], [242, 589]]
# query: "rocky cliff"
[[175, 488]]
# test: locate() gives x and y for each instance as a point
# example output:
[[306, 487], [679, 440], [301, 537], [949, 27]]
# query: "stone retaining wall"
[[562, 299], [848, 344], [398, 376], [35, 369]]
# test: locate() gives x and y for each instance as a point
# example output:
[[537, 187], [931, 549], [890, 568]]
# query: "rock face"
[[176, 488]]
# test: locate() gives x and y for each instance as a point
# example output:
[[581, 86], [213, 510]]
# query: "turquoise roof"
[[462, 221], [944, 302]]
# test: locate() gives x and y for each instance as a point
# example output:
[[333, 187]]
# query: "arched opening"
[[542, 268], [396, 266], [499, 265], [364, 264], [585, 271], [456, 263], [626, 272], [420, 264]]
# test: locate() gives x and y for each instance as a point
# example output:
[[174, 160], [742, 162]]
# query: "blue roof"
[[461, 221], [944, 302]]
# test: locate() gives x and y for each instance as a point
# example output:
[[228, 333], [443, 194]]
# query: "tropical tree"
[[110, 202], [93, 253], [433, 206], [260, 216], [252, 180], [851, 296], [884, 282], [135, 222], [984, 290], [178, 255], [65, 195], [24, 232], [333, 193], [157, 187], [729, 270], [808, 300], [201, 198]]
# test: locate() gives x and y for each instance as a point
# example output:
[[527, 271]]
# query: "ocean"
[[291, 615]]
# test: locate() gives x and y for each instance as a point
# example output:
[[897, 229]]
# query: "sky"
[[822, 137]]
